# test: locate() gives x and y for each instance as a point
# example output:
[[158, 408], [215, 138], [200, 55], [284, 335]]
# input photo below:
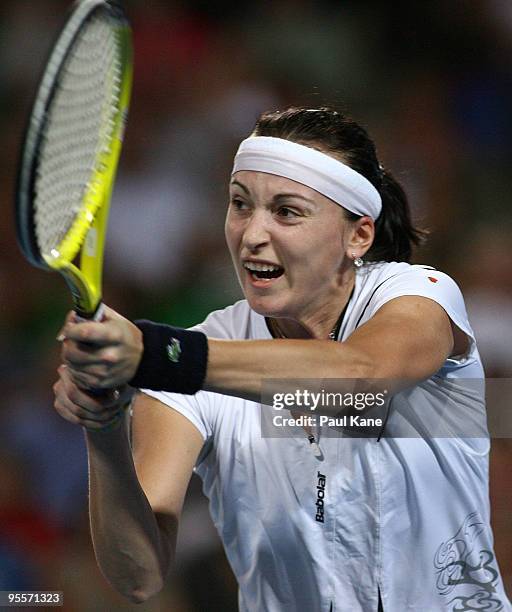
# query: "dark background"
[[431, 81]]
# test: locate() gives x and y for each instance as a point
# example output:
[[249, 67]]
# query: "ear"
[[360, 238]]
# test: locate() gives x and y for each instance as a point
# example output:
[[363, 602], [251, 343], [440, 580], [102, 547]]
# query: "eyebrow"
[[235, 182], [278, 196]]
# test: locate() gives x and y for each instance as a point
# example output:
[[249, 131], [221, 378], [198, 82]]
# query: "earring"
[[358, 262]]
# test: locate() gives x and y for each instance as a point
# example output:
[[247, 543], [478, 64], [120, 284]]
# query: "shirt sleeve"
[[196, 408], [201, 409], [428, 283]]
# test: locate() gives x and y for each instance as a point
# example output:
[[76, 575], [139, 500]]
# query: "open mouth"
[[263, 271]]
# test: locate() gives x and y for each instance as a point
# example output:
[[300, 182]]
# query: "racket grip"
[[97, 315]]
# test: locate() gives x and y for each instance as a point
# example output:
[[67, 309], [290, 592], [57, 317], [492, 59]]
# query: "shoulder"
[[228, 323], [375, 273], [385, 281]]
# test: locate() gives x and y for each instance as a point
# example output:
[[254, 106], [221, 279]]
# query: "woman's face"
[[290, 246]]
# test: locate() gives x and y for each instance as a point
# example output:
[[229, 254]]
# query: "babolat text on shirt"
[[320, 495]]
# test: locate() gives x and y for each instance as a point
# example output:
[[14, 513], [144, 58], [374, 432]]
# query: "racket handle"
[[97, 315]]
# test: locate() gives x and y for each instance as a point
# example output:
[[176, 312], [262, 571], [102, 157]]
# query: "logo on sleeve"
[[432, 279]]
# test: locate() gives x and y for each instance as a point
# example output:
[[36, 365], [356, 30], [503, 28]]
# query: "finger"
[[108, 400], [61, 409], [80, 354], [92, 332], [84, 347], [75, 413], [70, 318], [92, 402], [60, 405], [94, 382], [85, 381], [109, 314], [76, 354], [90, 373], [95, 399], [91, 425], [90, 387], [79, 385]]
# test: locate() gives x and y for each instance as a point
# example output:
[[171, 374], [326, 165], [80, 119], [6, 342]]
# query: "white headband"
[[312, 168]]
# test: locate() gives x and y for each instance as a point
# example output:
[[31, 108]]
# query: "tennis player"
[[320, 236]]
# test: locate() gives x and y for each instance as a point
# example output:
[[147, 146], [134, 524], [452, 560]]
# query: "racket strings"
[[79, 129]]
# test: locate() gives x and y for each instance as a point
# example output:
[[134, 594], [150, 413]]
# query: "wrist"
[[173, 359], [106, 446]]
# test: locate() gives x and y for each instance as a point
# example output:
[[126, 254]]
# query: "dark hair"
[[335, 133]]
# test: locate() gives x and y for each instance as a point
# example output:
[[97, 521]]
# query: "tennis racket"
[[71, 149]]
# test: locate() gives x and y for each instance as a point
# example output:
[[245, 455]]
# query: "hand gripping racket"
[[71, 149]]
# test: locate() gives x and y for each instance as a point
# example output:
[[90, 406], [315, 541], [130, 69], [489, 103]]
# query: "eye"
[[287, 212], [239, 204]]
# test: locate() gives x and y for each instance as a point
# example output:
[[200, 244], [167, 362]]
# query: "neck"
[[320, 324]]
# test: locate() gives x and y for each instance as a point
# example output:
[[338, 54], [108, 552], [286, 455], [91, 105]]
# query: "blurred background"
[[433, 84]]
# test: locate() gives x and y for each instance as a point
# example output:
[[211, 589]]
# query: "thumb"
[[109, 314], [69, 320]]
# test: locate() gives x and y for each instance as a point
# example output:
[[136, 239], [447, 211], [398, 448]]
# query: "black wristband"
[[174, 359]]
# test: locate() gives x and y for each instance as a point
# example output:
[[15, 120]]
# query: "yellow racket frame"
[[89, 228]]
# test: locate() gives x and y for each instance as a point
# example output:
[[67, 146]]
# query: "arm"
[[135, 500], [408, 338]]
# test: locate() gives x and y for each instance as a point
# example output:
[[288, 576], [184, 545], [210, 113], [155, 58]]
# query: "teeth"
[[257, 267]]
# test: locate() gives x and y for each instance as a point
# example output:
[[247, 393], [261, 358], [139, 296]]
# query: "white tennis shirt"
[[408, 516]]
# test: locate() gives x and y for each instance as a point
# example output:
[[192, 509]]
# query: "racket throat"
[[86, 296]]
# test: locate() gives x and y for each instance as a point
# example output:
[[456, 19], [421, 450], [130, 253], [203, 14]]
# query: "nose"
[[256, 234]]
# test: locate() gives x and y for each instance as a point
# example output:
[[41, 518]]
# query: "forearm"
[[233, 369], [408, 340], [130, 547]]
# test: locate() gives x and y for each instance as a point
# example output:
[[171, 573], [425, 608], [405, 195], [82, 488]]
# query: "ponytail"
[[395, 235]]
